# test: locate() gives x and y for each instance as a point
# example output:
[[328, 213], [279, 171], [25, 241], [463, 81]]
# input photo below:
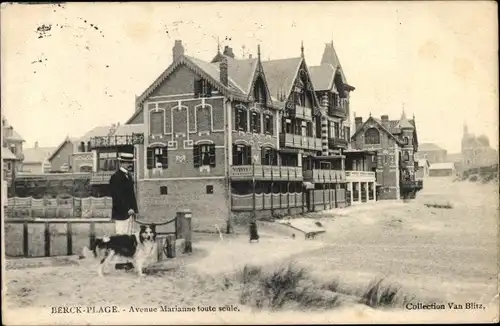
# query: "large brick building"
[[395, 142], [235, 138], [476, 151]]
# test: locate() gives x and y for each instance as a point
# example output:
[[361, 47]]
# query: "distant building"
[[36, 159], [432, 152], [442, 170], [476, 151], [12, 150], [423, 169], [395, 142]]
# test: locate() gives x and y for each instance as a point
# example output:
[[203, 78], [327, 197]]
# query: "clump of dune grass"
[[379, 294], [436, 205], [289, 286]]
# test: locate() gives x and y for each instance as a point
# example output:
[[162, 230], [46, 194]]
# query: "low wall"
[[89, 207]]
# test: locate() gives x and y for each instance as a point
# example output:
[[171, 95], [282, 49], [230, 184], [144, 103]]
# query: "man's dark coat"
[[123, 194]]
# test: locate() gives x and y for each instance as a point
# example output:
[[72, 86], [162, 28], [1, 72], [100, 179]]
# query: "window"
[[157, 157], [108, 162], [202, 88], [269, 156], [9, 166], [406, 156], [309, 129], [88, 146], [13, 149], [204, 155], [259, 91], [163, 190], [242, 155], [210, 189], [82, 147], [406, 140], [268, 124], [372, 136], [241, 119], [347, 133], [337, 129], [255, 122], [85, 168]]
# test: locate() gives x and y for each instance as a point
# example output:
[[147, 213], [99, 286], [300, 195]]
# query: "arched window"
[[372, 136], [259, 91], [406, 156]]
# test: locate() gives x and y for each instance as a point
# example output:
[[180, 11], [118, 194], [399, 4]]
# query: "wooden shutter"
[[212, 155], [196, 156], [249, 154], [259, 122], [263, 156], [208, 90], [235, 154], [197, 87], [271, 123], [150, 158], [164, 157]]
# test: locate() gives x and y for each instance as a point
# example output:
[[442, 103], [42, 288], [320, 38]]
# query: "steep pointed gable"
[[381, 127], [322, 77], [58, 148], [281, 75], [330, 57]]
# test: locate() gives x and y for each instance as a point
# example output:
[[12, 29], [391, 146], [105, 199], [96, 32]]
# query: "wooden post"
[[324, 199], [25, 239], [92, 234], [69, 239], [335, 191], [272, 191], [160, 244], [288, 191], [170, 243], [47, 239], [185, 228]]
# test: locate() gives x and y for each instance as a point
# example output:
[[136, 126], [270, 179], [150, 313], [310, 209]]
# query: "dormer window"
[[259, 92], [202, 88]]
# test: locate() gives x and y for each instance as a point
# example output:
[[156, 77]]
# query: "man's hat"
[[128, 157]]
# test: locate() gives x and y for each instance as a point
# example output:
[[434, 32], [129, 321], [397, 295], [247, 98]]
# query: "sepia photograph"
[[170, 163]]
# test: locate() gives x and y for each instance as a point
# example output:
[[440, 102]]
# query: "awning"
[[290, 150], [308, 185], [329, 157]]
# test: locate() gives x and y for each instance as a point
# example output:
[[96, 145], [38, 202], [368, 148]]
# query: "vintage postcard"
[[249, 163]]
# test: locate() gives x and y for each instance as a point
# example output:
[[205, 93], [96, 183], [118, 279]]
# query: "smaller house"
[[60, 158], [423, 169], [432, 152], [36, 159], [446, 169]]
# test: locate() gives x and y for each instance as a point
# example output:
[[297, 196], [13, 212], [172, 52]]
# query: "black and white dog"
[[138, 248]]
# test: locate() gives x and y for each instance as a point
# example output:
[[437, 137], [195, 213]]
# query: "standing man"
[[124, 201]]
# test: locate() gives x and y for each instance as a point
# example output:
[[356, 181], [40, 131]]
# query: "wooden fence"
[[32, 237], [62, 207]]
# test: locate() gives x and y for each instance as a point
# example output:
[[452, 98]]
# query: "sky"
[[437, 60]]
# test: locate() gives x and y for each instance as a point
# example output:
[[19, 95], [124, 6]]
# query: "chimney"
[[36, 144], [228, 51], [385, 121], [177, 50], [358, 122], [223, 71]]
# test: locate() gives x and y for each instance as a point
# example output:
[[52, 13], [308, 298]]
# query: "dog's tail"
[[92, 251]]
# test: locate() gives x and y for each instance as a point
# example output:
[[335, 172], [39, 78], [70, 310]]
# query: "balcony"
[[360, 176], [303, 112], [266, 172], [337, 142], [115, 141], [298, 141], [337, 112], [325, 176], [101, 177]]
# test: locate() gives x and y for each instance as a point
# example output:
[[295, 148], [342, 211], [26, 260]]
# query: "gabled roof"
[[95, 132], [377, 121], [38, 154], [242, 72], [207, 70], [403, 123], [15, 135], [330, 57], [429, 147], [322, 77], [7, 154], [61, 145], [128, 130], [280, 75]]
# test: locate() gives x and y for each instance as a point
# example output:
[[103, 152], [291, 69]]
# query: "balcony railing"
[[337, 142], [117, 140], [360, 176], [325, 176], [337, 112], [266, 172], [299, 141], [303, 112], [101, 177]]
